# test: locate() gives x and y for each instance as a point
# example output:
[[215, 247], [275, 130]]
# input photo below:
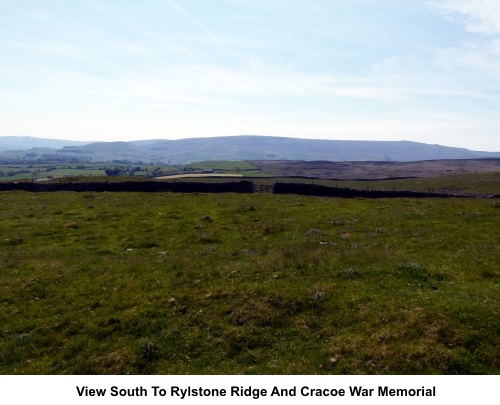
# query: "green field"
[[119, 283], [44, 171], [41, 171]]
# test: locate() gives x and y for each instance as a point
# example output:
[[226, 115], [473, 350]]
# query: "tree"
[[116, 171]]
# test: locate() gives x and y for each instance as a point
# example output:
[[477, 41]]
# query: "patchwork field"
[[376, 170], [118, 283]]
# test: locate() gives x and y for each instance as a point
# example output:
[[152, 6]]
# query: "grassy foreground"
[[179, 283]]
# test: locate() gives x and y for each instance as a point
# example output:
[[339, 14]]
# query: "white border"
[[63, 389]]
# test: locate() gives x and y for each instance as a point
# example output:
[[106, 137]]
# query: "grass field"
[[223, 165], [118, 283], [42, 171], [480, 184], [376, 170], [452, 177], [476, 184]]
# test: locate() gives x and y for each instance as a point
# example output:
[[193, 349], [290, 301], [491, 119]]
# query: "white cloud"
[[51, 48], [478, 16], [483, 60], [215, 38]]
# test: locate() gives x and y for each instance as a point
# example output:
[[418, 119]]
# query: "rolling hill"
[[249, 147], [28, 142]]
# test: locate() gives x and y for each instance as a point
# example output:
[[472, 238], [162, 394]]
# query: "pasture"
[[164, 283]]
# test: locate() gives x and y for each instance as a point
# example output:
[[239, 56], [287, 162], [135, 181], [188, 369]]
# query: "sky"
[[107, 70]]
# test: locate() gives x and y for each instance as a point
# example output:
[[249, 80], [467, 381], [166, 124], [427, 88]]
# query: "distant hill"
[[249, 147], [28, 142], [106, 147], [278, 148]]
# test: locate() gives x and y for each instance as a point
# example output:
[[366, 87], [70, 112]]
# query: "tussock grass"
[[257, 284]]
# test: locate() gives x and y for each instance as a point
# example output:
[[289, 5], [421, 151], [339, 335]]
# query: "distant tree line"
[[34, 159], [12, 172]]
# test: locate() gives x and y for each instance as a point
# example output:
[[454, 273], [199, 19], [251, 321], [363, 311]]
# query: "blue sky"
[[418, 70]]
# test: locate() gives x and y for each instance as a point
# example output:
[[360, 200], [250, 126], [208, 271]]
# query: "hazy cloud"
[[479, 16], [211, 34], [51, 48]]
